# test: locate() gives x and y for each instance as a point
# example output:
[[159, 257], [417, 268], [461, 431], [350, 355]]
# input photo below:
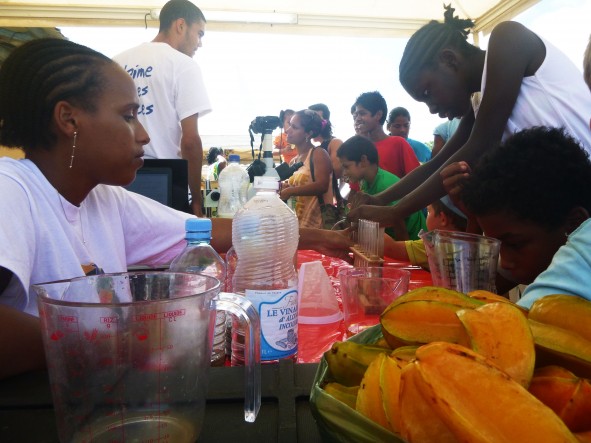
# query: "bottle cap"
[[234, 158], [198, 228], [265, 182]]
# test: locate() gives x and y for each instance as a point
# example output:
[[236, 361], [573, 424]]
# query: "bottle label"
[[278, 311]]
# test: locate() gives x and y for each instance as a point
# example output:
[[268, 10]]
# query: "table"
[[26, 410]]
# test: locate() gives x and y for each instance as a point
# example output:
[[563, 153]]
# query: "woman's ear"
[[575, 218], [64, 117]]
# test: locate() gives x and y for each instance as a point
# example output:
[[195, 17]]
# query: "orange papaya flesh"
[[500, 332], [369, 397], [419, 322], [565, 311], [463, 385], [418, 420]]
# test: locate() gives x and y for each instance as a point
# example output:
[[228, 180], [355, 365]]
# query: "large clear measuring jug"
[[128, 354], [461, 261]]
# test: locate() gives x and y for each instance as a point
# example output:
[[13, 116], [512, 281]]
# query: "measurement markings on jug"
[[168, 315]]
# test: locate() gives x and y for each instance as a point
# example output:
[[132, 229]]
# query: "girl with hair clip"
[[524, 82], [326, 139], [310, 186], [66, 214]]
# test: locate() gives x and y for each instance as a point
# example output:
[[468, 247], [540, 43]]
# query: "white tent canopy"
[[381, 18]]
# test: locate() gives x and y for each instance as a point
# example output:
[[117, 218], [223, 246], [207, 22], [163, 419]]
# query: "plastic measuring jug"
[[461, 261], [128, 354]]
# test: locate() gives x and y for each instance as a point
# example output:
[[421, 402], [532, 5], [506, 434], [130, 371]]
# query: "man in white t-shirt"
[[171, 89]]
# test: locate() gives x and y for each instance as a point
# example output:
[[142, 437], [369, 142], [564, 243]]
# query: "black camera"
[[265, 125], [285, 171]]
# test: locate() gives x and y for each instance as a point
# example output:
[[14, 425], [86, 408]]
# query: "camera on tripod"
[[265, 125]]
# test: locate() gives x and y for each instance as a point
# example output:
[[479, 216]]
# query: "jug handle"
[[242, 308]]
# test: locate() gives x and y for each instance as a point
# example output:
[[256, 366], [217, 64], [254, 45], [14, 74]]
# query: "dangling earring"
[[73, 149]]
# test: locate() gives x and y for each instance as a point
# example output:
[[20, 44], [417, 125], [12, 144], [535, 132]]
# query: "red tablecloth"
[[314, 340]]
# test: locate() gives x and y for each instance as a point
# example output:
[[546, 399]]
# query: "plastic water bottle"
[[233, 183], [265, 236], [199, 256]]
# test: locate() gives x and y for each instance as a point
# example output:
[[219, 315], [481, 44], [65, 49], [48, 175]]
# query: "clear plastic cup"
[[366, 292]]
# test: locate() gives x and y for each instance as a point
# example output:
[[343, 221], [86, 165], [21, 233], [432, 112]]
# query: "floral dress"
[[307, 207]]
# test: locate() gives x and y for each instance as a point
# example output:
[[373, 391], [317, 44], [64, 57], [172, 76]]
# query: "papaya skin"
[[390, 373], [345, 394], [565, 311], [561, 347], [436, 293], [554, 371], [491, 297], [369, 397], [347, 361]]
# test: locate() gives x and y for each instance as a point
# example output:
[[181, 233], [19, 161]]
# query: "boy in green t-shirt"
[[359, 160]]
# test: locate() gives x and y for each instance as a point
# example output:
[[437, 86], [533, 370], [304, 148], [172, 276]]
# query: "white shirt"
[[45, 238], [555, 96], [170, 88]]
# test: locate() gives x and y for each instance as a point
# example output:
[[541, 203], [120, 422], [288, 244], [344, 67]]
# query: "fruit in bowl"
[[452, 356]]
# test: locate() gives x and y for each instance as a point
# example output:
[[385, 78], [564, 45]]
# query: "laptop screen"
[[165, 181]]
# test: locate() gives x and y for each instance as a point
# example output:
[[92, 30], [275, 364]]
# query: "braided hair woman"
[[522, 79], [65, 214]]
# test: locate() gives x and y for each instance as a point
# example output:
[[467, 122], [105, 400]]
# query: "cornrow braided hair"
[[35, 77], [423, 47]]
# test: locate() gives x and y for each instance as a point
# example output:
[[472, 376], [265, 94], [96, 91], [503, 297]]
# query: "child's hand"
[[452, 176]]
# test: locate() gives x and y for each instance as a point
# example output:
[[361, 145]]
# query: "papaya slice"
[[347, 361], [419, 321], [369, 397], [501, 333], [565, 311], [561, 347], [463, 386], [436, 293], [404, 354], [345, 394], [577, 413], [491, 297], [390, 372], [554, 371], [554, 392], [569, 397], [418, 419]]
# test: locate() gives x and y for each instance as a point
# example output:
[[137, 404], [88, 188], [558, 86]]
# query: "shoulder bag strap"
[[320, 199]]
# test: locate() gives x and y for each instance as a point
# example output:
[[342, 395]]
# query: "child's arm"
[[395, 249], [514, 52]]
